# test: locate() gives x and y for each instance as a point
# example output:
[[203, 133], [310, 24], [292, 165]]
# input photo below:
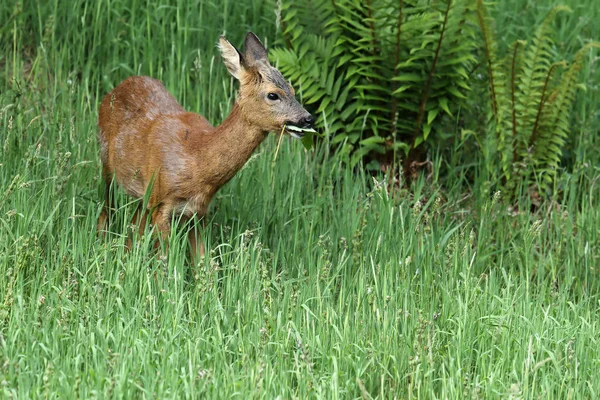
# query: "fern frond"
[[490, 48], [542, 102], [515, 63], [431, 73], [565, 93], [533, 80]]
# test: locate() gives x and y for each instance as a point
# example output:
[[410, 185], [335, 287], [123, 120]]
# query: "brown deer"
[[149, 142]]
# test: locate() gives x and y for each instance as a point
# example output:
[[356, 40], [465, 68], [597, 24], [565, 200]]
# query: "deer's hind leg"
[[104, 217]]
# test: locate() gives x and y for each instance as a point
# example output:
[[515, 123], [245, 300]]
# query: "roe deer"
[[148, 139]]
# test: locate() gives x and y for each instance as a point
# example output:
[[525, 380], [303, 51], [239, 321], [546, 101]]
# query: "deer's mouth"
[[296, 132]]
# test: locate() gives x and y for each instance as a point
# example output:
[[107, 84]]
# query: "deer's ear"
[[232, 58], [254, 50]]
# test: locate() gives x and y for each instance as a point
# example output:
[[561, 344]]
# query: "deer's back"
[[138, 99]]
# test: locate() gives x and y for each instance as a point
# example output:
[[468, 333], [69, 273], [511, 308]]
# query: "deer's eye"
[[273, 96]]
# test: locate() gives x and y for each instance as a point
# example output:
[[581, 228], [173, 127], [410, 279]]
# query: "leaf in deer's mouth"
[[297, 132]]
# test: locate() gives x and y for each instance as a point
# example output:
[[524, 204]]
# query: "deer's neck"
[[233, 143]]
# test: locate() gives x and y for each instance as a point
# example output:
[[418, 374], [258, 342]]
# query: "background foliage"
[[381, 74], [531, 104], [320, 282]]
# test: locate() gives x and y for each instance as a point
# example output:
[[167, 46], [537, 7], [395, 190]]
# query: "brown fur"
[[147, 138]]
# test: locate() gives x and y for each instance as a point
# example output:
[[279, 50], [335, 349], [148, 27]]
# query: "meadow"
[[319, 282]]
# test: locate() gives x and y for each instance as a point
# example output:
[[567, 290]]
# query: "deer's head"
[[265, 98]]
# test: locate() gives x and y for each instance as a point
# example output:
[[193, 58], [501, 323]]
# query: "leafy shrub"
[[531, 101], [379, 74]]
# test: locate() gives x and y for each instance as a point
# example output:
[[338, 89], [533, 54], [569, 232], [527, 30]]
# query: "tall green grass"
[[319, 282]]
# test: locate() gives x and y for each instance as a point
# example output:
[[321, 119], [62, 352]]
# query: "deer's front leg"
[[161, 219], [138, 220], [195, 240]]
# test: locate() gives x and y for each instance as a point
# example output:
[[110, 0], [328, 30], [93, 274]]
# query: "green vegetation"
[[379, 74], [531, 101], [320, 281]]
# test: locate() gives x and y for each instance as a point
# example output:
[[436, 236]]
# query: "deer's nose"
[[308, 121]]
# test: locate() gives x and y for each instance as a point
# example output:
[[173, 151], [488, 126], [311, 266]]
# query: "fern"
[[379, 74], [530, 104]]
